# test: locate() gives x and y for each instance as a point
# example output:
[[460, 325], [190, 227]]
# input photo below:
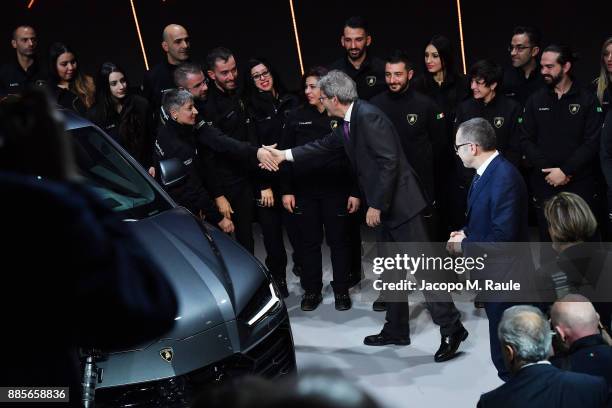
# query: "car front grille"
[[272, 358]]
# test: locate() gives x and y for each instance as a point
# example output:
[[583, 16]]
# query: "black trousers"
[[271, 222], [440, 305], [315, 216], [356, 248], [240, 196]]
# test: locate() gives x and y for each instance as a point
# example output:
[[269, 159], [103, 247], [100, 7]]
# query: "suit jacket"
[[543, 386], [385, 178]]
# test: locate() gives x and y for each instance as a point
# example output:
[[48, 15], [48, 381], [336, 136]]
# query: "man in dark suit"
[[496, 212], [526, 339], [393, 195], [577, 324]]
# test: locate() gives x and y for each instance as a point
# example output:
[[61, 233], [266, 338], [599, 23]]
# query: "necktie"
[[474, 181], [347, 132]]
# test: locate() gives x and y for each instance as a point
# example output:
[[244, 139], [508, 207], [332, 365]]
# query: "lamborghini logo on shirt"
[[371, 80], [498, 121], [333, 124], [167, 354], [412, 118], [574, 108]]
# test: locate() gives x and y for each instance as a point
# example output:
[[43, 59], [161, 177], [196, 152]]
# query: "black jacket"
[[519, 88], [370, 77], [606, 149], [387, 181], [132, 128], [422, 130], [322, 175], [68, 100], [606, 102], [588, 355], [176, 140], [14, 80], [561, 133], [156, 82]]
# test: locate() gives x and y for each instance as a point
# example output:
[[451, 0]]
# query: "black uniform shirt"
[[606, 150], [331, 175], [156, 82], [14, 80], [421, 127], [519, 88], [564, 132], [370, 77], [504, 114], [607, 96]]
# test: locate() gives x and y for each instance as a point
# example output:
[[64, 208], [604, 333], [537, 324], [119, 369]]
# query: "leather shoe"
[[310, 301], [382, 339], [379, 304], [343, 301], [449, 345]]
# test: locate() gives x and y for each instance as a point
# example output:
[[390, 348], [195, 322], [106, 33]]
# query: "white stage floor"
[[396, 376]]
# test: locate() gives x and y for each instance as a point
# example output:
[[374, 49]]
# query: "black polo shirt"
[[370, 77], [156, 82], [519, 88], [563, 132], [14, 80], [420, 124]]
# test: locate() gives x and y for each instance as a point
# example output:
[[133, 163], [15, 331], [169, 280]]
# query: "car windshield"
[[120, 185]]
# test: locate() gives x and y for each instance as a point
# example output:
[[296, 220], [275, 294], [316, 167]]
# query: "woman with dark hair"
[[321, 196], [442, 82], [125, 117], [269, 105], [71, 88], [603, 83]]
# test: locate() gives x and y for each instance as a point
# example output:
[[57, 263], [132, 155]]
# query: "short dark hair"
[[356, 22], [480, 132], [487, 70], [219, 53], [181, 72], [534, 35], [398, 56], [14, 34]]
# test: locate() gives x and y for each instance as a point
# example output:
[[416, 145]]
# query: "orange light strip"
[[297, 38], [144, 53], [461, 37], [31, 3]]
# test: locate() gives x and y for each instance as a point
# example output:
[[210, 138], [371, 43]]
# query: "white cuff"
[[288, 155]]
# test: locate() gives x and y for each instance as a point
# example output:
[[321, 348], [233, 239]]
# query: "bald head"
[[176, 43], [24, 41], [574, 317]]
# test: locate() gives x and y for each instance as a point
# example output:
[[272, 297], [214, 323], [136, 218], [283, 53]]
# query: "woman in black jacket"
[[321, 196], [176, 139], [269, 105], [71, 88], [124, 116]]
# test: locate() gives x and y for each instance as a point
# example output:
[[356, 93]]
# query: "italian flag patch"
[[440, 115], [599, 109]]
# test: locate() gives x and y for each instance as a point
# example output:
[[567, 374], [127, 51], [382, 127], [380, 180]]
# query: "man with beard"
[[225, 109], [523, 78], [24, 71], [367, 71], [176, 44], [560, 135]]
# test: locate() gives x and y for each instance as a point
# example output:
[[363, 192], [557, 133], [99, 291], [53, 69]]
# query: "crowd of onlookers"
[[557, 132]]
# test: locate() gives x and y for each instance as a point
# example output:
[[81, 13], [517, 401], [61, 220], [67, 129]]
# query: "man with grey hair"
[[525, 338], [496, 212], [577, 324], [393, 195]]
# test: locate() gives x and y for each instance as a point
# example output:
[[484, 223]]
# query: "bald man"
[[176, 45], [577, 324], [23, 72]]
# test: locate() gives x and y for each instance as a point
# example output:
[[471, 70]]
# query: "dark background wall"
[[104, 30]]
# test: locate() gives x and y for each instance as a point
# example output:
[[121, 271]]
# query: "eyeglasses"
[[325, 97], [258, 77], [458, 146], [518, 48]]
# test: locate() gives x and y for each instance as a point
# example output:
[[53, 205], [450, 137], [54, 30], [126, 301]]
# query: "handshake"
[[269, 157]]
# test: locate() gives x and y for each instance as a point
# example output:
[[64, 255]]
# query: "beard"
[[359, 54], [552, 81]]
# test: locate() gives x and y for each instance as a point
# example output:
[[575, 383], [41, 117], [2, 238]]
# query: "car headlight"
[[271, 302]]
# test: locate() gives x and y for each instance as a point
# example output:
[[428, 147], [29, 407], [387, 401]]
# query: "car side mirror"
[[172, 172]]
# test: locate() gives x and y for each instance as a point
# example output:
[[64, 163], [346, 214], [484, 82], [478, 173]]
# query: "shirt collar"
[[480, 170], [539, 362], [347, 115]]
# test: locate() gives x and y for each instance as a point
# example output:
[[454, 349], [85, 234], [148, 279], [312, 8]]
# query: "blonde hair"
[[83, 86], [569, 218], [603, 81]]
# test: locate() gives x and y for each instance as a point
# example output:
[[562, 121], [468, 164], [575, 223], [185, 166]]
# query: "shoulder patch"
[[599, 109], [440, 115]]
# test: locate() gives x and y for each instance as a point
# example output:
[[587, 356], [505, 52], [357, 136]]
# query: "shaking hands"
[[269, 157]]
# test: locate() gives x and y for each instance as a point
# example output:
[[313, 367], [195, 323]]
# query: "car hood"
[[214, 278]]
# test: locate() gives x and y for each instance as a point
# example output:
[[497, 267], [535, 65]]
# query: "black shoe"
[[379, 304], [297, 270], [382, 339], [310, 301], [478, 304], [282, 288], [343, 301], [449, 345]]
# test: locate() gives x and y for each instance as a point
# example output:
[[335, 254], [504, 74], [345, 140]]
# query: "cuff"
[[288, 155]]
